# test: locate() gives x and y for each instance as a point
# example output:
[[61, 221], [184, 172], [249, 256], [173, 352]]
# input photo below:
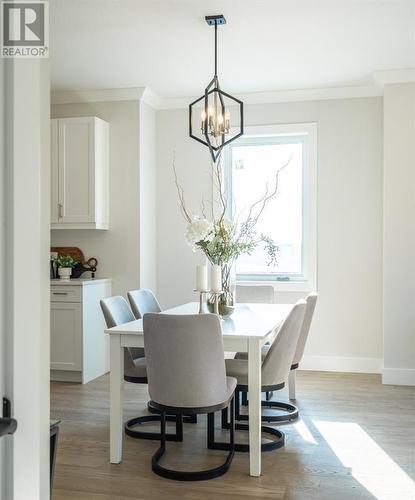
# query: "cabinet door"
[[66, 336], [54, 168], [76, 170]]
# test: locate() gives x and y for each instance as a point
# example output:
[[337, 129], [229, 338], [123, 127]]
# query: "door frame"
[[26, 278]]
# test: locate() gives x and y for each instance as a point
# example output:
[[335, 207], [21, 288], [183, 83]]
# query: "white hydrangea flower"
[[199, 230]]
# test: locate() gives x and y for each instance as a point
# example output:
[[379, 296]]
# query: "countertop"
[[79, 281]]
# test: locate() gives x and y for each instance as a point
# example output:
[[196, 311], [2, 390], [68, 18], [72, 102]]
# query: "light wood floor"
[[355, 440]]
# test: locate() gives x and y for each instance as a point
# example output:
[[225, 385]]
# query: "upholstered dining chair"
[[142, 302], [275, 368], [254, 294], [116, 312], [262, 294], [299, 352], [291, 410], [186, 375]]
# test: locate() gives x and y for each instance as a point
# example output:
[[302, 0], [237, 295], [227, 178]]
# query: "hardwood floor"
[[355, 440]]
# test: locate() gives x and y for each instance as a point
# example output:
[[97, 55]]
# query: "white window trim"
[[309, 203]]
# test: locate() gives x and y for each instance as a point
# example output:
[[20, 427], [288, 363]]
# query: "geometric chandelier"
[[210, 115]]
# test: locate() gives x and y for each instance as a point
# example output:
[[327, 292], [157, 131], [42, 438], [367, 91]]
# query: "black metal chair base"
[[268, 396], [290, 409], [277, 442], [194, 475], [187, 419], [134, 433]]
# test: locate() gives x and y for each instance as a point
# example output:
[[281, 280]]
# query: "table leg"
[[116, 398], [254, 393], [291, 384]]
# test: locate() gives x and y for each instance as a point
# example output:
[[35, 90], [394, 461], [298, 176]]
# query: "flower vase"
[[227, 299]]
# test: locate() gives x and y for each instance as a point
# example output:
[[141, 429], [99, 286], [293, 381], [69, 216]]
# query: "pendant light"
[[215, 118]]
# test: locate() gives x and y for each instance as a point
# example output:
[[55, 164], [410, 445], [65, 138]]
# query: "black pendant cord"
[[216, 52]]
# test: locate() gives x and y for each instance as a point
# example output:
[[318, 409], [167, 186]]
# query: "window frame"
[[285, 134]]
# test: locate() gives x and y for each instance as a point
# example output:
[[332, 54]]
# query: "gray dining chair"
[[142, 302], [116, 312], [186, 375], [305, 330], [262, 294], [275, 368], [291, 410], [254, 294]]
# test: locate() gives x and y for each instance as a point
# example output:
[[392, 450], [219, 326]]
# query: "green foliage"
[[66, 261], [228, 241], [271, 249]]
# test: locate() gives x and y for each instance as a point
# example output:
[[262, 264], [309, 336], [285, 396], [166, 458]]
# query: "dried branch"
[[203, 208], [217, 168], [263, 202], [180, 193]]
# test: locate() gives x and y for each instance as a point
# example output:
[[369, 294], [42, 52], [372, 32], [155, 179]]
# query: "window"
[[251, 163]]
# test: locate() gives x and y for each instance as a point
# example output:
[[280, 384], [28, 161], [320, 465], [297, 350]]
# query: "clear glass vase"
[[227, 299]]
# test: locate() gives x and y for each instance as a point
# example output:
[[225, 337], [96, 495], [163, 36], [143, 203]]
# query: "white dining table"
[[247, 330]]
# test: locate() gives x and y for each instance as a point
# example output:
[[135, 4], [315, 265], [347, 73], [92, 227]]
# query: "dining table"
[[246, 330]]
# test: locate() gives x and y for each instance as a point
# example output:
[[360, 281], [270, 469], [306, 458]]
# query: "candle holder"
[[202, 302], [216, 296]]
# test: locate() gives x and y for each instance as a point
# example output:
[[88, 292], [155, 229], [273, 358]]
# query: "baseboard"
[[398, 376], [341, 364], [65, 376]]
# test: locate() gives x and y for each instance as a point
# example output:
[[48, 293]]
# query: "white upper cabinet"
[[79, 176]]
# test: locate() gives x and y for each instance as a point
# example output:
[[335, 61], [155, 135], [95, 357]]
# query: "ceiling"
[[266, 45]]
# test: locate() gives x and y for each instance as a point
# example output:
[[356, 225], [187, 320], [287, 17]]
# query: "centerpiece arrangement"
[[223, 238]]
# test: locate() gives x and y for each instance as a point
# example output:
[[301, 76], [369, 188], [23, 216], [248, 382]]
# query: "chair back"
[[116, 312], [143, 302], [311, 305], [278, 361], [185, 360], [260, 294]]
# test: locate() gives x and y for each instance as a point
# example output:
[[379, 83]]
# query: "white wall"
[[348, 320], [118, 249], [27, 274], [4, 471], [176, 262], [399, 234], [148, 207]]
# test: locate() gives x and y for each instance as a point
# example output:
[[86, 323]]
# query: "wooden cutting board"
[[75, 252]]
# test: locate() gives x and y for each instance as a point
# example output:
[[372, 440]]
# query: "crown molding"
[[391, 76], [99, 95], [151, 98], [281, 96], [145, 94], [148, 96]]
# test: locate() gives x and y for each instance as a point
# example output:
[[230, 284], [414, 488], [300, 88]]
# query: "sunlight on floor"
[[304, 432], [369, 464]]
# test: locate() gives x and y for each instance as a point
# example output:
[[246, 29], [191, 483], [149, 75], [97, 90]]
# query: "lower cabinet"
[[66, 336], [79, 348]]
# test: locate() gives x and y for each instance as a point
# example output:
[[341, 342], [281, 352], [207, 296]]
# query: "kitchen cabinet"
[[79, 349], [79, 173]]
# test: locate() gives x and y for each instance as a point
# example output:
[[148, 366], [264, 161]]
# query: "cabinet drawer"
[[62, 293]]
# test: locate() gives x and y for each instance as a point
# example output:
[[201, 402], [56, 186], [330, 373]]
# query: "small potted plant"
[[65, 265]]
